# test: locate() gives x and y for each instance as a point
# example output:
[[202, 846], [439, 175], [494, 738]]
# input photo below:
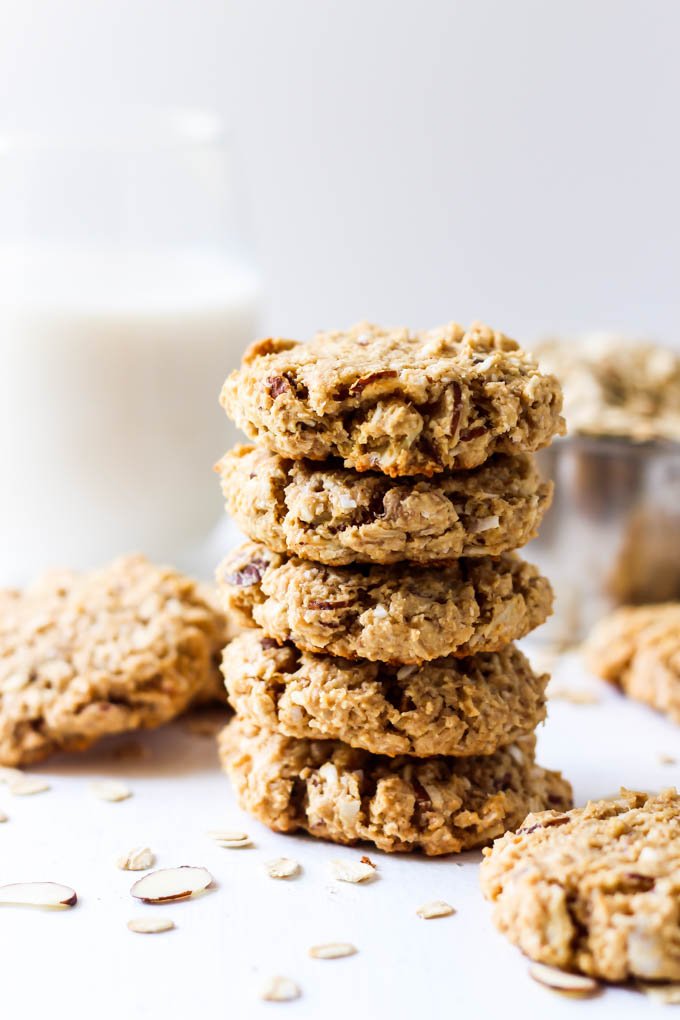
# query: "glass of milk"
[[126, 296]]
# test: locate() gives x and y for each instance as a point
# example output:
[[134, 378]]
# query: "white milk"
[[111, 365]]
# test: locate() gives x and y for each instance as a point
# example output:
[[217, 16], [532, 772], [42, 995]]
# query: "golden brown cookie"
[[595, 889], [615, 385], [393, 401], [403, 614], [87, 655], [438, 805], [332, 515], [448, 706], [638, 649]]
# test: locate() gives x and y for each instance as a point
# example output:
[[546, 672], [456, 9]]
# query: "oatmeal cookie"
[[449, 706], [385, 613], [615, 385], [336, 516], [393, 401], [439, 805], [595, 889], [638, 649], [86, 655]]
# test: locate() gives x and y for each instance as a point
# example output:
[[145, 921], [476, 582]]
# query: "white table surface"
[[84, 962]]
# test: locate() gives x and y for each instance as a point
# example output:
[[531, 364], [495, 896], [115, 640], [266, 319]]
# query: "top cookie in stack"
[[395, 402], [385, 586]]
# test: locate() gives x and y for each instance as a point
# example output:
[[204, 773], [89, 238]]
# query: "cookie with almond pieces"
[[439, 805], [637, 648], [596, 889], [329, 514], [86, 655], [394, 401], [453, 706], [403, 614]]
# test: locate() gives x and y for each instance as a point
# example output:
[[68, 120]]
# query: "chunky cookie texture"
[[595, 889], [449, 706], [616, 386], [387, 613], [439, 805], [337, 516], [638, 649], [86, 655], [395, 402]]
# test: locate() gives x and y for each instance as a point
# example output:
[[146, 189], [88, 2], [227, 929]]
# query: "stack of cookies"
[[378, 694]]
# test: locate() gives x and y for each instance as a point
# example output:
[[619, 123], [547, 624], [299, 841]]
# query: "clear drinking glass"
[[126, 295]]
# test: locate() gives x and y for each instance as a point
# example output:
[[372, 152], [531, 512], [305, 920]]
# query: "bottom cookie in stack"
[[438, 805]]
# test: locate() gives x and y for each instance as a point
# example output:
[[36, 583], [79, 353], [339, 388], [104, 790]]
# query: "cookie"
[[638, 649], [439, 805], [616, 385], [337, 516], [87, 655], [596, 889], [396, 402], [449, 706], [385, 613]]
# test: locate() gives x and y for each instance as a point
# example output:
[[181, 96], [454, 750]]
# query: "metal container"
[[612, 534]]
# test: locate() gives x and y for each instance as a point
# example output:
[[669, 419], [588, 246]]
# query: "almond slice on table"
[[3, 816], [282, 867], [171, 884], [229, 839], [563, 980], [138, 859], [38, 894], [279, 989], [26, 786], [352, 871], [150, 925], [437, 908], [110, 789], [575, 695], [332, 950]]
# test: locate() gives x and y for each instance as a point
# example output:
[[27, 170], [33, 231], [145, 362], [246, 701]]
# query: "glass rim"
[[115, 128]]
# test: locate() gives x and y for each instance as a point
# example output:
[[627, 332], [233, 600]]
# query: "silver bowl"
[[612, 534]]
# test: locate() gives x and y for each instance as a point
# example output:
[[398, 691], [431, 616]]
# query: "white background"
[[510, 160], [412, 162], [85, 963]]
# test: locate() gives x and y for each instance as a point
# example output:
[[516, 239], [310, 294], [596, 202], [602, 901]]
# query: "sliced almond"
[[666, 759], [279, 989], [150, 925], [110, 789], [282, 867], [26, 786], [3, 816], [138, 859], [7, 774], [171, 884], [436, 908], [352, 871], [666, 995], [575, 695], [562, 980], [38, 894], [332, 950], [230, 840]]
